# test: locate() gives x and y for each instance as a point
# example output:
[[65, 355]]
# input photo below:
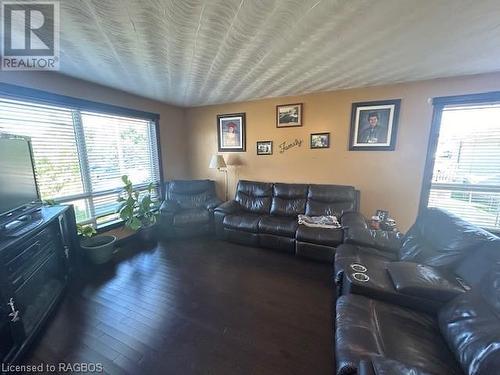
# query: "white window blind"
[[53, 141], [80, 156], [466, 175]]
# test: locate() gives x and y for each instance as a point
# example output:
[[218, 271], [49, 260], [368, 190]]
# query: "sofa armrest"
[[212, 204], [378, 239], [423, 281], [169, 207], [353, 219], [229, 207], [378, 365]]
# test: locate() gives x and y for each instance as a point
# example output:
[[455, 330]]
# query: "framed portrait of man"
[[231, 135], [374, 125]]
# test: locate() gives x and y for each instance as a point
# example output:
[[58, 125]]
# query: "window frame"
[[439, 104], [78, 105]]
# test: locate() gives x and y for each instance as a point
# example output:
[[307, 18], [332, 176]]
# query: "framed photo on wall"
[[374, 125], [231, 132], [320, 140], [288, 115], [264, 147]]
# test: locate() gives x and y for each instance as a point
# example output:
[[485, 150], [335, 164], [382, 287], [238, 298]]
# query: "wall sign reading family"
[[285, 146], [374, 125], [231, 134]]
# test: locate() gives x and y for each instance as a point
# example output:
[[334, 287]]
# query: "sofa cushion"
[[190, 193], [423, 281], [254, 196], [380, 239], [330, 200], [243, 222], [278, 225], [439, 238], [367, 327], [471, 325], [478, 262], [320, 236], [379, 365], [191, 216], [289, 199]]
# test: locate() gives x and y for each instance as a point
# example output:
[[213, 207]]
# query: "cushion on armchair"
[[191, 217], [423, 281], [191, 193]]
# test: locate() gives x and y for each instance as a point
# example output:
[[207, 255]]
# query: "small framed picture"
[[288, 115], [374, 125], [231, 134], [382, 214], [320, 140], [264, 147]]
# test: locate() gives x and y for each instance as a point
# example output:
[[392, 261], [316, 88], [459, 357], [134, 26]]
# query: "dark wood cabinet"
[[34, 272]]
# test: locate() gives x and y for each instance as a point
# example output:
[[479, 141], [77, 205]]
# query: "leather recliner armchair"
[[188, 208]]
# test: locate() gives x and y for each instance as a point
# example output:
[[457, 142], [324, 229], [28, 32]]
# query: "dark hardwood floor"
[[197, 306]]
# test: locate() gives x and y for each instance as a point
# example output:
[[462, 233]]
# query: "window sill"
[[121, 232]]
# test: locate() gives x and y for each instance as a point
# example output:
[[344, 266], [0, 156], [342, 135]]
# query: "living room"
[[196, 187]]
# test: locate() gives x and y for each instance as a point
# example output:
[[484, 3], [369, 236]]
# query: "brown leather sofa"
[[377, 338], [398, 316], [265, 214], [440, 256], [188, 208]]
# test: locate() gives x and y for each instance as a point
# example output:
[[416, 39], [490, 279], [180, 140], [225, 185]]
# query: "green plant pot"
[[99, 249]]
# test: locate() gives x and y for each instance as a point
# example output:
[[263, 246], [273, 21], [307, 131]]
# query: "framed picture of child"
[[231, 134]]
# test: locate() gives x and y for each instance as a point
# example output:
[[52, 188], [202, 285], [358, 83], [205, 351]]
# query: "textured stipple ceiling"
[[196, 52]]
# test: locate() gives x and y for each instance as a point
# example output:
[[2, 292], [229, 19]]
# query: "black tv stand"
[[22, 227], [34, 272], [22, 224]]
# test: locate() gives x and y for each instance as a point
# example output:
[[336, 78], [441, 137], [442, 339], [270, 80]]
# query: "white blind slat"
[[468, 162], [114, 146]]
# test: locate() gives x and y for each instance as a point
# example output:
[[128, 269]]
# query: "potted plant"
[[138, 212], [99, 249]]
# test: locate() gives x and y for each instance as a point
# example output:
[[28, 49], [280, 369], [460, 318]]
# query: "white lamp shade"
[[217, 162]]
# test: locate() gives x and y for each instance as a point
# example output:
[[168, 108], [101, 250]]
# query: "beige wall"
[[387, 180], [171, 117]]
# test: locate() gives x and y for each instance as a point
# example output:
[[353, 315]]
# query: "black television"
[[18, 188]]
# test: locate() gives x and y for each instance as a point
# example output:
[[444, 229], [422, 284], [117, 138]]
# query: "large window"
[[466, 171], [80, 156]]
